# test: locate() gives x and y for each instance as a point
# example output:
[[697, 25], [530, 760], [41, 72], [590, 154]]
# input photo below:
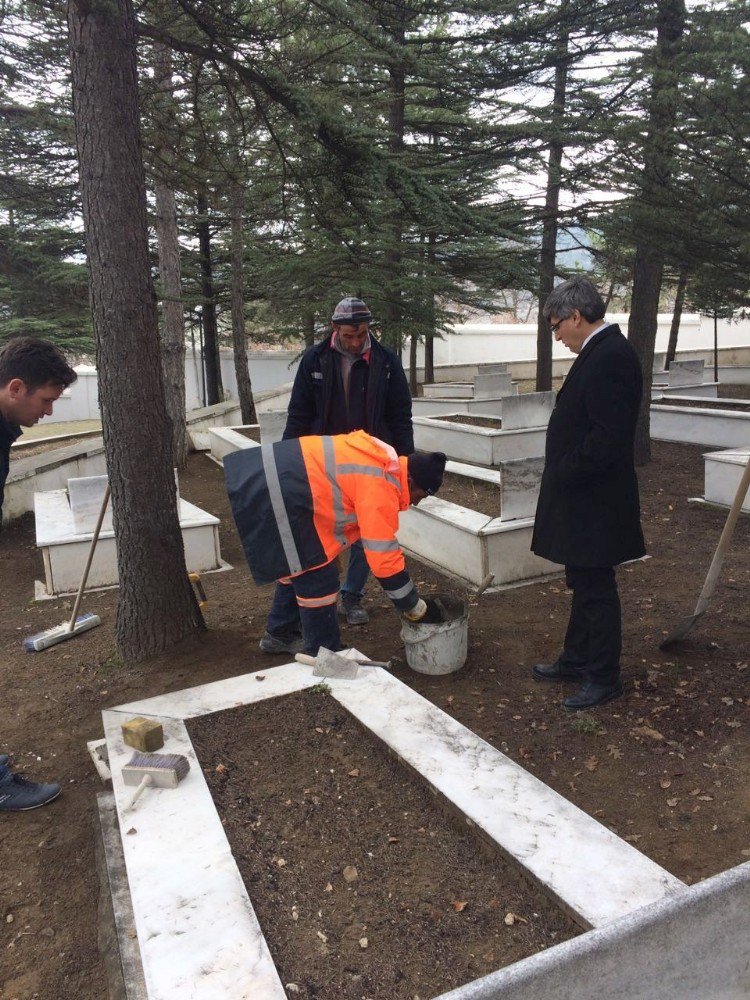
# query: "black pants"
[[593, 641]]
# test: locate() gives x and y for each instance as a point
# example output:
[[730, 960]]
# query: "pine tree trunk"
[[644, 310], [173, 320], [674, 329], [170, 280], [156, 605], [551, 207], [657, 165], [413, 344], [429, 358], [239, 342], [212, 361]]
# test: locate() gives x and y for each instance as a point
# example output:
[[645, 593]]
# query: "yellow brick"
[[143, 734]]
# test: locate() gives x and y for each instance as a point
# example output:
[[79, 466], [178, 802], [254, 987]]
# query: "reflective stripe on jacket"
[[299, 503]]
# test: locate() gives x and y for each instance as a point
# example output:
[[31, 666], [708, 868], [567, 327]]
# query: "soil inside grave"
[[476, 494], [666, 766], [249, 432], [494, 423], [363, 885]]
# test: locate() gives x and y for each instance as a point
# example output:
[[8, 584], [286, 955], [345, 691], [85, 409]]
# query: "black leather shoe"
[[592, 694], [555, 672]]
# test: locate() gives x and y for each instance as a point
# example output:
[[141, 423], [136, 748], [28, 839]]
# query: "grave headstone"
[[686, 372], [527, 409], [272, 424], [498, 368], [519, 487], [86, 494], [493, 385]]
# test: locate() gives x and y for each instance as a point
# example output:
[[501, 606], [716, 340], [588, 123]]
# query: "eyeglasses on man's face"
[[554, 327]]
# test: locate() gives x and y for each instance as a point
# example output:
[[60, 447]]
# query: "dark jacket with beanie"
[[378, 402]]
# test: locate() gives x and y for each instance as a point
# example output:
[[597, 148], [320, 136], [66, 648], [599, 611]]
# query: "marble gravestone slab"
[[493, 385], [519, 487], [272, 425], [85, 495], [528, 409], [686, 372]]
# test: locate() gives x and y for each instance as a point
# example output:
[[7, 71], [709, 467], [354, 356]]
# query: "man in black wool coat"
[[588, 514]]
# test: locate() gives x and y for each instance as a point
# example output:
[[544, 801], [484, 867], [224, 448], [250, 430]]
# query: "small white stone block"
[[494, 384], [86, 495], [519, 487], [272, 425], [686, 372], [527, 409]]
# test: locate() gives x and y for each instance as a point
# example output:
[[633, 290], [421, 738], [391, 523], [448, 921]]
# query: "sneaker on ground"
[[18, 794], [354, 613], [281, 644]]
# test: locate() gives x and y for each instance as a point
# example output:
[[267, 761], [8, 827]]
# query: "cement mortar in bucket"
[[438, 649]]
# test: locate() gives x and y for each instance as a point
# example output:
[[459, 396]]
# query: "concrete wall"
[[477, 343], [692, 946]]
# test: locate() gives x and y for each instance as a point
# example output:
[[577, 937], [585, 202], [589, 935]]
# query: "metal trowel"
[[330, 664]]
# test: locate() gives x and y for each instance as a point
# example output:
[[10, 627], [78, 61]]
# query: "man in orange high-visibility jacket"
[[299, 503]]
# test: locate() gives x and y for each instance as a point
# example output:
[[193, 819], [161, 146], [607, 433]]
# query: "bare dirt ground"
[[666, 766]]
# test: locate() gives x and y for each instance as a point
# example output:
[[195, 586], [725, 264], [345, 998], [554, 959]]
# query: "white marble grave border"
[[198, 933]]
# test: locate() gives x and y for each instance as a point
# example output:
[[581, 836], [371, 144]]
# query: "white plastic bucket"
[[438, 649]]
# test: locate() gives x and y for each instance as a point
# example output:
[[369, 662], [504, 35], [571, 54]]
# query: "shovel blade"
[[680, 630], [330, 664]]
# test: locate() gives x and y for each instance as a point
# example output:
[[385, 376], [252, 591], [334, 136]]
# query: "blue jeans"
[[3, 771], [356, 574], [295, 606]]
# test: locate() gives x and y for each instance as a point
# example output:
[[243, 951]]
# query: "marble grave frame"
[[198, 934]]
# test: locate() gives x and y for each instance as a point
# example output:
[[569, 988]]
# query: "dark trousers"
[[356, 574], [593, 641], [308, 602]]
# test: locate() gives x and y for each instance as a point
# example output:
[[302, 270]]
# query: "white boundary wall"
[[476, 343]]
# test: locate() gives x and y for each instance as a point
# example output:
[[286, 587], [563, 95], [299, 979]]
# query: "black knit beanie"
[[426, 468]]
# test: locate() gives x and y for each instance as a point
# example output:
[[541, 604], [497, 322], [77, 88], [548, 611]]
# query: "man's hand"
[[427, 612]]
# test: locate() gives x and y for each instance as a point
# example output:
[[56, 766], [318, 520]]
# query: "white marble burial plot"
[[493, 385], [197, 930], [448, 390], [723, 472], [519, 487], [65, 552], [527, 409], [272, 425], [686, 372], [86, 494], [224, 440]]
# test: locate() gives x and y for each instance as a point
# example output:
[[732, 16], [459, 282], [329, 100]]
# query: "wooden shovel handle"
[[305, 658], [718, 560]]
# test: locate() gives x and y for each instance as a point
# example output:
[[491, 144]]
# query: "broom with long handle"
[[76, 625]]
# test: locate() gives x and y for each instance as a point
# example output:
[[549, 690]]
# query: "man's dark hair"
[[576, 293], [36, 362]]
